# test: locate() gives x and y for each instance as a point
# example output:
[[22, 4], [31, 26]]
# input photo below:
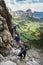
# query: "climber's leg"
[[24, 54]]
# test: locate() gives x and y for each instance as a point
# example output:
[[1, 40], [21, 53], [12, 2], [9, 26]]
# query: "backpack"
[[27, 46]]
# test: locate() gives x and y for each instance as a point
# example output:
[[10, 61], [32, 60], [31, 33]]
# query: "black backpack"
[[27, 45]]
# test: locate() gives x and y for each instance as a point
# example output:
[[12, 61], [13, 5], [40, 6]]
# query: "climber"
[[15, 30], [14, 27], [22, 53], [17, 38]]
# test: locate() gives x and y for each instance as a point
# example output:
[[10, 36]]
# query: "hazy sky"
[[34, 5]]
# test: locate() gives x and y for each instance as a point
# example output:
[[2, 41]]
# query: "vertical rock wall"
[[6, 40]]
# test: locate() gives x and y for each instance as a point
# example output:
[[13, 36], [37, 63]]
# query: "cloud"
[[24, 6], [33, 7], [24, 1], [30, 1]]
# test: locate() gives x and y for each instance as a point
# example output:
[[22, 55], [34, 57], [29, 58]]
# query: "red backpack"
[[21, 43]]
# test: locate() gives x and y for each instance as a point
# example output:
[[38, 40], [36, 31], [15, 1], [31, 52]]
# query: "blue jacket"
[[17, 38]]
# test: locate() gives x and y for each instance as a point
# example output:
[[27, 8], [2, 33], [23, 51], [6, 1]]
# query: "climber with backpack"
[[22, 53]]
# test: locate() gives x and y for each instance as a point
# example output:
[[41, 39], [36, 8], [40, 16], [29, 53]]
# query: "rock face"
[[5, 14], [8, 63], [6, 40]]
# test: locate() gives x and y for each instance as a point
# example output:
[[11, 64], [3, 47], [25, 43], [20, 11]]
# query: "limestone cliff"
[[6, 40]]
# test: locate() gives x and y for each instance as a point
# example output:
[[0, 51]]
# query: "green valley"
[[28, 30]]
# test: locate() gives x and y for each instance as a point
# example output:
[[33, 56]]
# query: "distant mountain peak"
[[29, 12], [21, 13]]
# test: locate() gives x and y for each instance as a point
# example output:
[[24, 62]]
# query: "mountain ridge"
[[38, 16], [26, 14]]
